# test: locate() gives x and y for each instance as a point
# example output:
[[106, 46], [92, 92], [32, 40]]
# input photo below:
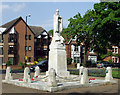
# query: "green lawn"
[[98, 72]]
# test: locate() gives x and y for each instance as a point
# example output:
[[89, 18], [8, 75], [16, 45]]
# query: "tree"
[[97, 29], [79, 27], [50, 32]]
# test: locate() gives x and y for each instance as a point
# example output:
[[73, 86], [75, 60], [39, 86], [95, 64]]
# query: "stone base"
[[61, 74], [40, 85]]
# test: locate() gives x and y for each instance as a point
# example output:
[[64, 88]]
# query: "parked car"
[[43, 65], [104, 64], [116, 64]]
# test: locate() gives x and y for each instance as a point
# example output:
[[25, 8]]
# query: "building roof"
[[10, 24], [37, 30]]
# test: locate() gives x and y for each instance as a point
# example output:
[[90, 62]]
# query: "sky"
[[42, 12]]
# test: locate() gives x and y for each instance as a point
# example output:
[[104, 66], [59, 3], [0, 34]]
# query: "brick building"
[[12, 42], [115, 51], [76, 52]]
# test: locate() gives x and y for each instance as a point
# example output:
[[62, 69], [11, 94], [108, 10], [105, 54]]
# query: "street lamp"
[[26, 39]]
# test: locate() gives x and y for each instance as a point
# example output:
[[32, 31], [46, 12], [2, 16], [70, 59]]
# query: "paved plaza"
[[111, 88]]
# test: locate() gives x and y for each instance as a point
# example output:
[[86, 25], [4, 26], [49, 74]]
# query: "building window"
[[25, 48], [1, 50], [76, 48], [115, 59], [1, 61], [29, 48], [83, 49], [92, 58], [45, 52], [1, 38], [29, 37], [76, 59], [25, 37], [11, 59], [91, 50], [12, 38], [115, 49], [29, 59], [11, 50]]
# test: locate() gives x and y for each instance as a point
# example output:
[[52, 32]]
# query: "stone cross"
[[8, 76], [84, 76], [52, 78], [108, 76], [27, 77], [37, 71]]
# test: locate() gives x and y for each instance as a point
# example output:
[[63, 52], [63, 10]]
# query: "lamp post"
[[26, 40]]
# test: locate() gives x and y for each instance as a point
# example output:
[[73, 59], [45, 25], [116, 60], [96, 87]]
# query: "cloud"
[[48, 24], [5, 6], [16, 7]]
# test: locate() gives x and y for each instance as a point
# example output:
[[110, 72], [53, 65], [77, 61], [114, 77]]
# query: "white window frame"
[[91, 50], [114, 59], [115, 47]]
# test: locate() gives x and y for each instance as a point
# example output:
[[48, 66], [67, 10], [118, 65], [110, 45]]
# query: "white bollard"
[[52, 78], [8, 76], [37, 71], [108, 76], [81, 70], [84, 76], [27, 77]]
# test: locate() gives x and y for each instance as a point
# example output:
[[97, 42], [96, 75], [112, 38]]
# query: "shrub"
[[21, 64], [69, 61], [41, 59], [8, 63], [94, 65], [110, 61], [88, 63]]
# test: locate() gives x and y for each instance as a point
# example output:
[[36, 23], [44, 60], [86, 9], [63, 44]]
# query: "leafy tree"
[[97, 29], [79, 27], [50, 32]]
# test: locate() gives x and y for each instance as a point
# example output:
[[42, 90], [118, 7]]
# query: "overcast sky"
[[42, 12]]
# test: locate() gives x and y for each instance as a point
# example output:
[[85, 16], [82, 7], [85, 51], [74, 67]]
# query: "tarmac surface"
[[109, 89]]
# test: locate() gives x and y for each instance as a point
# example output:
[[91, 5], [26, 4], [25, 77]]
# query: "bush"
[[8, 63], [21, 64], [110, 61], [93, 65], [88, 63], [41, 59], [69, 61]]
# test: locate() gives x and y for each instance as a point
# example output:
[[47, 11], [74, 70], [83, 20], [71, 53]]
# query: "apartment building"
[[15, 43], [76, 52], [115, 51]]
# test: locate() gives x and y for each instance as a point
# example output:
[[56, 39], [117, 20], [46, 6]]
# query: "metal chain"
[[40, 78], [17, 74]]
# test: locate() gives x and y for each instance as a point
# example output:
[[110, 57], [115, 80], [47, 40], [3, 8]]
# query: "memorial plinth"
[[57, 53]]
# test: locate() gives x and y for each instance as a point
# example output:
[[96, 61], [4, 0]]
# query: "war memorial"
[[57, 77]]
